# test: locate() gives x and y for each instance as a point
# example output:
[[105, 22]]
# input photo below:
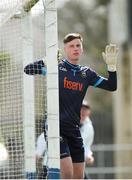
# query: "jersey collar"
[[68, 65]]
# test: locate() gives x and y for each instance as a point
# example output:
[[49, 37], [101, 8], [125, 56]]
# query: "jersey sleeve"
[[95, 79], [109, 83], [37, 67]]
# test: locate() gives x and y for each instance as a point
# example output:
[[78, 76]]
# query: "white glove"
[[110, 56]]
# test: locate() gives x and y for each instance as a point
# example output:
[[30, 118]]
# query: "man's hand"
[[89, 160], [110, 56]]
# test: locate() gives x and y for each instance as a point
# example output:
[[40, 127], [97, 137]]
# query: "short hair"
[[71, 36]]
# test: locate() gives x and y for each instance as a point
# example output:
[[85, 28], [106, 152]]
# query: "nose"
[[76, 48]]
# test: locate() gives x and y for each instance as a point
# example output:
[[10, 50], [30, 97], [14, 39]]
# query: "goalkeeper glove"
[[110, 56]]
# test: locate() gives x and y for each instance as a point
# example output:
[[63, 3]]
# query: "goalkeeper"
[[74, 81]]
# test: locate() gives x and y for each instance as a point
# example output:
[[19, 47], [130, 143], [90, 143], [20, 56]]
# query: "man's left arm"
[[110, 57], [109, 84]]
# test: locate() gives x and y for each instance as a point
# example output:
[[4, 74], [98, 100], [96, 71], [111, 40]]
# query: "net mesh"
[[15, 46]]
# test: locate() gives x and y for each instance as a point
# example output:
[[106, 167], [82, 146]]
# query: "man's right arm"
[[37, 67]]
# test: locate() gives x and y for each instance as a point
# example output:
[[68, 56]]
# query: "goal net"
[[27, 102]]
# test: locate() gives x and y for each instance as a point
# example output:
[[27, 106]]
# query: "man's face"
[[84, 113], [73, 49]]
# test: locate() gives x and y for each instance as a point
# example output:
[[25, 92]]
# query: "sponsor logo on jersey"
[[63, 69], [76, 86]]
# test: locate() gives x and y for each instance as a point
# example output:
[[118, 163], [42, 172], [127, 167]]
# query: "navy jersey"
[[73, 83]]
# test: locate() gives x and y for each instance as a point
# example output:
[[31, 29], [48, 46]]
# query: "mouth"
[[76, 54]]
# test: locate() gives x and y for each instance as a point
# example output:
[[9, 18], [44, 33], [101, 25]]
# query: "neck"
[[73, 61], [82, 121]]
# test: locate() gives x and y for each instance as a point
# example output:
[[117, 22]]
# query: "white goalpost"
[[28, 32], [52, 88], [28, 99]]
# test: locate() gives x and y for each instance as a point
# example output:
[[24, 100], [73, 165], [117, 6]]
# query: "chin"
[[76, 59]]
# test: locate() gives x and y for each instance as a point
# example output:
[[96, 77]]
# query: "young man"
[[87, 133], [74, 80]]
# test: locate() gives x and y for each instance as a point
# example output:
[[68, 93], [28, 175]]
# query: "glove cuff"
[[111, 68]]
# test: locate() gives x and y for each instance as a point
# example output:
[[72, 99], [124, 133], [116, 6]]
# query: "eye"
[[78, 45], [72, 45]]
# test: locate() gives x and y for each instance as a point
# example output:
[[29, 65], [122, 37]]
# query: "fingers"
[[112, 48]]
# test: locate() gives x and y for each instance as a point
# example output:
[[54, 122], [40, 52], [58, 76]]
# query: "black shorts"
[[71, 144]]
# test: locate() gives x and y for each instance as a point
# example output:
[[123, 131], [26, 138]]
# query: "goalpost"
[[28, 32], [52, 88]]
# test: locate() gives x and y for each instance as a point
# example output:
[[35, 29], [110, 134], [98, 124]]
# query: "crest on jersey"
[[83, 74]]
